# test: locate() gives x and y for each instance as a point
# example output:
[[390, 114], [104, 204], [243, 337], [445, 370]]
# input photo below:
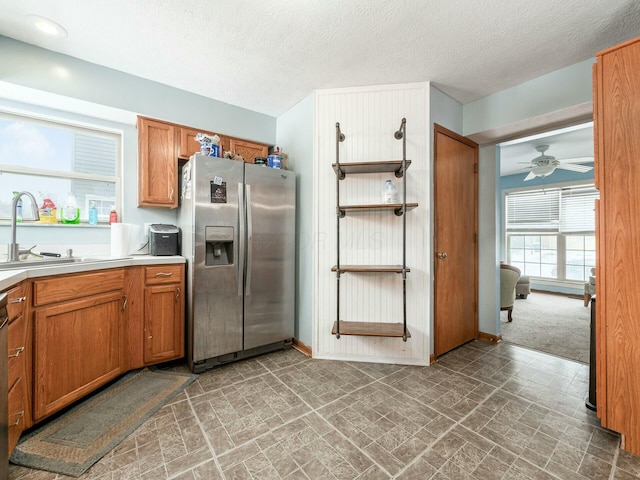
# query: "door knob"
[[442, 255]]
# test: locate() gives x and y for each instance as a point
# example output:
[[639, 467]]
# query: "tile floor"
[[481, 412]]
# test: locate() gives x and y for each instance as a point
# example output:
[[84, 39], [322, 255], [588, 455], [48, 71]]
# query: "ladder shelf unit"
[[398, 168]]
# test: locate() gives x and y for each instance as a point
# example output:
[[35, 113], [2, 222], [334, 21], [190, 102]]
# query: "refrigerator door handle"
[[249, 240], [241, 236]]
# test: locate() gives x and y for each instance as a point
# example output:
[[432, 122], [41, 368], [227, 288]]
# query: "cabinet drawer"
[[162, 274], [16, 405], [16, 299], [16, 350], [71, 287]]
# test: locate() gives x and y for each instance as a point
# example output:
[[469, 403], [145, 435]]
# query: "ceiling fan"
[[545, 165]]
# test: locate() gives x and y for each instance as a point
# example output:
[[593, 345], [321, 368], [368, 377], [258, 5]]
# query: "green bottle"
[[70, 210]]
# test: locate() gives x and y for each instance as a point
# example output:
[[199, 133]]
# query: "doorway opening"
[[547, 231]]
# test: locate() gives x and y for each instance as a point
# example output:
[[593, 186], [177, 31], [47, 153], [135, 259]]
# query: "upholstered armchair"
[[509, 276], [590, 287]]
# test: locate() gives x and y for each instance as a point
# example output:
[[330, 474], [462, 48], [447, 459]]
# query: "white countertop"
[[10, 277]]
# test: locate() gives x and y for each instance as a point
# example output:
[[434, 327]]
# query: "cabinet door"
[[16, 409], [157, 164], [248, 150], [188, 143], [76, 349], [617, 230], [163, 323]]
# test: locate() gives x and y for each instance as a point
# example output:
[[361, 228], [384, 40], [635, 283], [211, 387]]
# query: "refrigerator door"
[[270, 278], [218, 262]]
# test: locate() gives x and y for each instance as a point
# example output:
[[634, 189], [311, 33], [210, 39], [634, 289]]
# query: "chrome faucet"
[[14, 249]]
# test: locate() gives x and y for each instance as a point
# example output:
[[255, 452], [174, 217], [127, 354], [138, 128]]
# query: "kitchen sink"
[[52, 261]]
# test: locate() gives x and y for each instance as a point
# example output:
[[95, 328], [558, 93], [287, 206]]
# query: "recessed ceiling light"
[[47, 26]]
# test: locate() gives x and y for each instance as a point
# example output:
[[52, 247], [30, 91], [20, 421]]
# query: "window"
[[52, 159], [551, 232]]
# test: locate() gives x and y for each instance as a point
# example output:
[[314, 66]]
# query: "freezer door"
[[270, 278], [217, 257]]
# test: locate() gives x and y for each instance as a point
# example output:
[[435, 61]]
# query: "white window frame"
[[76, 126], [561, 244]]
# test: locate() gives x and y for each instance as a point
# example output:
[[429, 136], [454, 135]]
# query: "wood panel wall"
[[369, 116]]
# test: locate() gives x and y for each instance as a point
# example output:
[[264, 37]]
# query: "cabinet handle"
[[177, 293], [19, 416], [18, 351], [18, 300], [171, 194], [164, 274], [124, 304]]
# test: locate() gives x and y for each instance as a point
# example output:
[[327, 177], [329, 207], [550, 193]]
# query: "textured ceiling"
[[268, 55]]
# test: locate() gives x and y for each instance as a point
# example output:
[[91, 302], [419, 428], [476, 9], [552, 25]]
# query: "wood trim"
[[489, 337], [432, 359], [617, 47], [302, 347]]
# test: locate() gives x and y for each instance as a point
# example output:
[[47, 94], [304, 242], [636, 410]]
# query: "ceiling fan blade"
[[576, 159], [575, 167], [531, 176]]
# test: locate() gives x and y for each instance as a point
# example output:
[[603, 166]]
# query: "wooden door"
[[455, 245]]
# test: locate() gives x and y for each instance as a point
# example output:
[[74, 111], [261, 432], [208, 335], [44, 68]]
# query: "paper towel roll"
[[124, 239]]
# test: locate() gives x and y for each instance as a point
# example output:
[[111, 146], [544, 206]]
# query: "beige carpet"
[[554, 324]]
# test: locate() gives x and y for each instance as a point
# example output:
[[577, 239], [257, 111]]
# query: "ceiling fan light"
[[543, 170]]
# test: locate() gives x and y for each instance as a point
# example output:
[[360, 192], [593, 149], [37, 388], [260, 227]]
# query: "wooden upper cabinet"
[[157, 164], [188, 144], [248, 150]]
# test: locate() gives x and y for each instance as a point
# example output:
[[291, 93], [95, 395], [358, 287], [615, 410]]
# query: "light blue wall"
[[294, 134], [564, 88], [488, 235], [445, 111], [35, 68]]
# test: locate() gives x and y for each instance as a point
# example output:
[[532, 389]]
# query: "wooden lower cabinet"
[[71, 334], [163, 313], [163, 305], [17, 355], [77, 347], [17, 406]]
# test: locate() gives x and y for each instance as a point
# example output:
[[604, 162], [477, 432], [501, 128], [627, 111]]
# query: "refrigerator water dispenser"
[[219, 246]]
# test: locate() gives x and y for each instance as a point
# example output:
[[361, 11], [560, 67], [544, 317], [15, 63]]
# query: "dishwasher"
[[4, 412]]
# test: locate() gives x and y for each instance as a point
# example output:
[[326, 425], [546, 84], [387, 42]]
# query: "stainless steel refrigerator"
[[238, 236]]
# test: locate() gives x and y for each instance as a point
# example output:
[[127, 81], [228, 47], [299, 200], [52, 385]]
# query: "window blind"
[[577, 210], [536, 210], [566, 210]]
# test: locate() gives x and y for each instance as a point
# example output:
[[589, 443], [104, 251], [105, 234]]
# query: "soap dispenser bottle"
[[70, 211]]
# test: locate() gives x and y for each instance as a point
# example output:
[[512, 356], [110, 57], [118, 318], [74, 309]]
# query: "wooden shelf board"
[[372, 167], [370, 268], [376, 207], [370, 329]]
